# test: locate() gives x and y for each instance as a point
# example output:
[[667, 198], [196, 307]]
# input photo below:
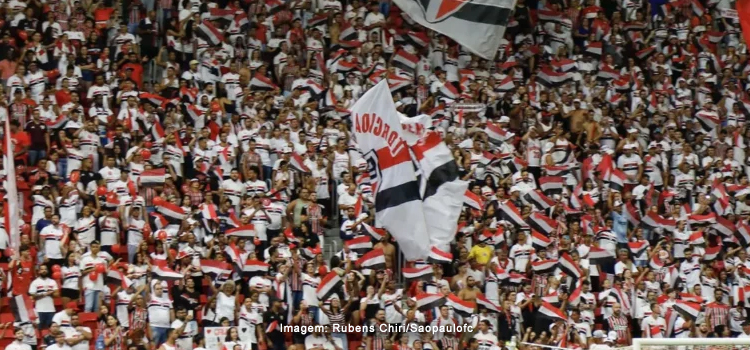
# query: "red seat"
[[6, 317]]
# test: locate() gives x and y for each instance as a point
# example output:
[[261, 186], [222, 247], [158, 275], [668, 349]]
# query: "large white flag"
[[398, 205], [478, 25], [11, 193]]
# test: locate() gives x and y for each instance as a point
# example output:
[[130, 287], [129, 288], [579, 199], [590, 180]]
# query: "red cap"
[[72, 305]]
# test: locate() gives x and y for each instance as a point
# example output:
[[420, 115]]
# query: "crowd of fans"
[[148, 135]]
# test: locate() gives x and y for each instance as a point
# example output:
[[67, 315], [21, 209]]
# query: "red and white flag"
[[10, 205]]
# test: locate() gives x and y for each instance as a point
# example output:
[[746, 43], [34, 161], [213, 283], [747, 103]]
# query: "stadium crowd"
[[179, 164]]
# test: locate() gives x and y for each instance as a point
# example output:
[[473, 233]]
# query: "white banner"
[[215, 337], [729, 13], [398, 206]]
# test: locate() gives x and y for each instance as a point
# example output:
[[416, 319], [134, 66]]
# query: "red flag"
[[743, 12]]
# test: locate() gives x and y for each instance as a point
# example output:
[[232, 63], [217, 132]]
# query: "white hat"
[[514, 189], [632, 130], [286, 150], [629, 146], [653, 144], [599, 334], [504, 119], [516, 102], [611, 336], [617, 203], [578, 100]]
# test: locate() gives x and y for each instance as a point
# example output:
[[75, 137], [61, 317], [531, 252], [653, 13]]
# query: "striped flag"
[[569, 267], [461, 307], [512, 214], [544, 266], [412, 274], [552, 312], [215, 268], [441, 188], [247, 231], [171, 211], [427, 301], [482, 301], [478, 26], [359, 244], [208, 32], [542, 223], [153, 177], [689, 310], [254, 267], [473, 200], [398, 204], [540, 241], [260, 82], [438, 256], [23, 308], [551, 183], [405, 61], [712, 253], [538, 200], [374, 260], [743, 234], [297, 163], [496, 134], [328, 285], [161, 272]]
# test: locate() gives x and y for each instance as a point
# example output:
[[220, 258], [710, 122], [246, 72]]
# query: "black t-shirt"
[[270, 317], [37, 135], [186, 299]]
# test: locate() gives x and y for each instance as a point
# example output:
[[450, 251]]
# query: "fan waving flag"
[[479, 25], [10, 205], [552, 312], [398, 204], [428, 301], [417, 273], [373, 260], [438, 256], [461, 307]]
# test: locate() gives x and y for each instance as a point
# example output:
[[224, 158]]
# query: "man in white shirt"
[[62, 318], [91, 265], [77, 336], [185, 327], [653, 326], [18, 343], [42, 290]]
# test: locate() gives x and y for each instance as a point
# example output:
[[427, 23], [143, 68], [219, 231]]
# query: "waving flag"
[[482, 301], [215, 268], [23, 308], [477, 25], [171, 211], [461, 307], [398, 205], [247, 231], [438, 256], [427, 301], [552, 312], [208, 32], [161, 272], [359, 244], [412, 274], [374, 260], [154, 177], [328, 285], [260, 82], [441, 188]]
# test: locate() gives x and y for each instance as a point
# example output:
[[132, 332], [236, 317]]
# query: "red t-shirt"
[[23, 274], [21, 139], [137, 75], [62, 97]]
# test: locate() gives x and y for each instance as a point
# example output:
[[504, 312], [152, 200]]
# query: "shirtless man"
[[470, 291], [388, 250]]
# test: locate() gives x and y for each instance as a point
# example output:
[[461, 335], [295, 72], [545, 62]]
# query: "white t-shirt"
[[52, 237], [62, 319], [16, 345], [309, 286], [39, 286], [225, 305], [159, 311], [71, 333]]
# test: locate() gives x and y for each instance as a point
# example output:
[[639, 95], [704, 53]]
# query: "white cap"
[[514, 189], [611, 337], [617, 203], [504, 119], [599, 334], [578, 100], [516, 102], [286, 150], [632, 130], [653, 144], [629, 146]]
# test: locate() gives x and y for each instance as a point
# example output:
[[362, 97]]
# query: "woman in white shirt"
[[226, 301], [310, 284], [71, 274]]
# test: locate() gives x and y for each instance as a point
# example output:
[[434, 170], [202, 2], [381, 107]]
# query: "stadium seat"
[[6, 317]]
